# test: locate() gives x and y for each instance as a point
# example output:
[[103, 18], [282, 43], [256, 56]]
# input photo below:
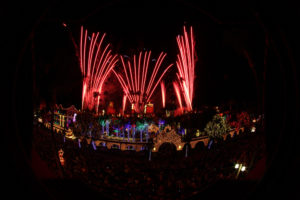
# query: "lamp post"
[[240, 168]]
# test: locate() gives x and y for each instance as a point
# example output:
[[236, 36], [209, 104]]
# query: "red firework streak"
[[163, 94], [96, 62], [136, 85], [177, 92], [186, 66], [124, 103]]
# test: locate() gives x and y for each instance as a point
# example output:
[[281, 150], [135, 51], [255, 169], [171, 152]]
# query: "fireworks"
[[163, 94], [177, 92], [138, 79], [136, 85], [186, 66], [95, 67], [124, 103]]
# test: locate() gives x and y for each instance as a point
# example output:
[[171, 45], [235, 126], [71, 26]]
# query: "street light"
[[240, 168]]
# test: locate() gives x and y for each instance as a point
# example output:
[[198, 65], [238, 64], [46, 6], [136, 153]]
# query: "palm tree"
[[140, 126], [107, 122], [102, 123], [116, 124]]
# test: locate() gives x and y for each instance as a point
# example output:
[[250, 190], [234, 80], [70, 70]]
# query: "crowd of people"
[[130, 174]]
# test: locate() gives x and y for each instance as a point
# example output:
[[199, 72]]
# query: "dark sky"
[[222, 35]]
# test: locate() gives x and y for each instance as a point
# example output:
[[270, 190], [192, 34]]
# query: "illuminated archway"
[[168, 137]]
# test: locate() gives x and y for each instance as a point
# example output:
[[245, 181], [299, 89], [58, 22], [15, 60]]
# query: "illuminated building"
[[63, 117]]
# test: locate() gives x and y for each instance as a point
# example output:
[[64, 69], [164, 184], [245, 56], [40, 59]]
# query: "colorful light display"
[[186, 66], [138, 84], [96, 62]]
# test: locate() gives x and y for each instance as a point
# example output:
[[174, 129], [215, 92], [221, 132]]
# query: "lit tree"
[[217, 127], [243, 119], [140, 128], [102, 123], [116, 125], [107, 122]]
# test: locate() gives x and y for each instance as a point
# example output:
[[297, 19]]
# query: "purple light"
[[74, 118], [94, 145], [161, 122], [127, 126], [79, 145]]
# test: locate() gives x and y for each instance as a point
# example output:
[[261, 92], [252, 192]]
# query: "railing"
[[122, 140]]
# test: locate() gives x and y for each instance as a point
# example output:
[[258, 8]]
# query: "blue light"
[[181, 131], [161, 122], [210, 143], [127, 126]]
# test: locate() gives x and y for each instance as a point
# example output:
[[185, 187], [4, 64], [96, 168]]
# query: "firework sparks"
[[163, 94], [177, 92], [135, 83], [95, 67], [186, 66], [124, 103]]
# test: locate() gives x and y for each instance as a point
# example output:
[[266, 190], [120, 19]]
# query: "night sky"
[[222, 36]]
